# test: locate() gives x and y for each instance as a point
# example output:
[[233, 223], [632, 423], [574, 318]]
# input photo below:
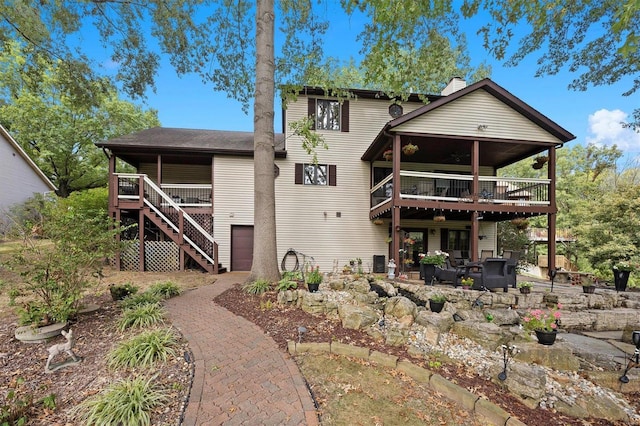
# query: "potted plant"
[[429, 262], [410, 149], [388, 154], [120, 291], [621, 272], [436, 302], [525, 287], [467, 283], [587, 283], [543, 323], [314, 278]]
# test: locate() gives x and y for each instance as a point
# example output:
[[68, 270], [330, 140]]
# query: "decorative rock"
[[486, 334], [336, 284], [504, 316], [359, 286], [400, 307], [313, 303], [441, 323], [396, 336], [356, 317], [557, 356], [526, 382]]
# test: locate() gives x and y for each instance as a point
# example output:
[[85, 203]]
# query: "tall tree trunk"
[[265, 262]]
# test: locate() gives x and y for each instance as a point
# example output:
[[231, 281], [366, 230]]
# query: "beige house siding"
[[233, 192], [462, 117], [307, 215]]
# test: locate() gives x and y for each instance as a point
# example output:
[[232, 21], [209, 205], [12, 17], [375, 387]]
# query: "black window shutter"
[[344, 119], [298, 173], [311, 108], [332, 175]]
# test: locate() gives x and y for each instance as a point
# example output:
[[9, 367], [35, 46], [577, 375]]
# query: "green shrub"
[[139, 300], [120, 291], [62, 255], [127, 402], [165, 290], [143, 350], [141, 316], [256, 287], [285, 284]]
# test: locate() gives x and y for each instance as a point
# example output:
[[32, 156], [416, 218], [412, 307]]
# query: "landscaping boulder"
[[401, 308], [557, 356], [358, 286], [486, 334], [313, 303], [356, 317], [442, 323]]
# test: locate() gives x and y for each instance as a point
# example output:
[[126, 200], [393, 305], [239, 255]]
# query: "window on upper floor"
[[315, 174], [329, 114]]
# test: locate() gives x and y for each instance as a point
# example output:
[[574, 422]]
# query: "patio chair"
[[492, 273], [449, 273], [455, 258], [485, 254], [512, 256]]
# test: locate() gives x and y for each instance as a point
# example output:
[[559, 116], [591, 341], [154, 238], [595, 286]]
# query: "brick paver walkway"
[[241, 377]]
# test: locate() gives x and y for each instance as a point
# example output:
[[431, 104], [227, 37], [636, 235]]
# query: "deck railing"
[[171, 212], [458, 188]]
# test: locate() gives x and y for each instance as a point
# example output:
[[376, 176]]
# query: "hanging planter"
[[542, 159], [439, 218], [410, 149], [520, 223], [378, 222], [388, 155]]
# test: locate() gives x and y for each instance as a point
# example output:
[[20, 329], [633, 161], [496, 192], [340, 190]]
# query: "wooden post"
[[181, 237], [118, 264], [141, 239], [475, 226], [396, 212], [551, 218]]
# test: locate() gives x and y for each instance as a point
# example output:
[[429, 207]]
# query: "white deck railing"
[[458, 188]]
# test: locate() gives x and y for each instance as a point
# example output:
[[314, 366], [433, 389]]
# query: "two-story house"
[[371, 195]]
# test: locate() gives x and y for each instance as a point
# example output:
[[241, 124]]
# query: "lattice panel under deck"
[[161, 256]]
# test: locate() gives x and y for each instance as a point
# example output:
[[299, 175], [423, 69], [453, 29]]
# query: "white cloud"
[[605, 128]]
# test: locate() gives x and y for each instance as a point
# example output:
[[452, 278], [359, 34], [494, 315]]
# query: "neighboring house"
[[20, 177], [365, 198]]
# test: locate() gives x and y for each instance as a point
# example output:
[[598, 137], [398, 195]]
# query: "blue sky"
[[593, 115]]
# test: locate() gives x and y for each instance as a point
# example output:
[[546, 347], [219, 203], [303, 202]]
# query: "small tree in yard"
[[67, 260]]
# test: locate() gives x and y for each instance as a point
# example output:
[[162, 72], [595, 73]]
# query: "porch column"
[[475, 189], [395, 211], [551, 218], [212, 181], [141, 239], [113, 183], [159, 171], [118, 259]]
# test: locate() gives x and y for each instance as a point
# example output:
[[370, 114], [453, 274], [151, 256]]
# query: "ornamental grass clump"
[[141, 316], [144, 350], [128, 402], [542, 320], [165, 290]]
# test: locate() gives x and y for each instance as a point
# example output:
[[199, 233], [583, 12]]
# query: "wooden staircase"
[[182, 244], [178, 225]]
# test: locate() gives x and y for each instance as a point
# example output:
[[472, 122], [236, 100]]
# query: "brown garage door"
[[241, 248]]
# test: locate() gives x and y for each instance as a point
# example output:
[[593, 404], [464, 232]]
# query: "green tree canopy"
[[58, 125]]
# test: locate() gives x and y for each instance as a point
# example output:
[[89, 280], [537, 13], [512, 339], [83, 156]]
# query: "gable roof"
[[499, 93], [486, 86], [26, 158]]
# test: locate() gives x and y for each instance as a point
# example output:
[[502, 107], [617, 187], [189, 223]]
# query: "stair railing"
[[152, 191]]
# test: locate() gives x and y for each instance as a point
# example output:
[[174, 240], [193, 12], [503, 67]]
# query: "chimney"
[[455, 84]]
